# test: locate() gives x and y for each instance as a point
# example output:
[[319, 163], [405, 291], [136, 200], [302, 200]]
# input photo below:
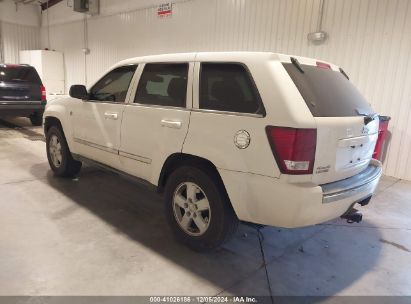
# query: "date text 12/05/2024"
[[205, 299]]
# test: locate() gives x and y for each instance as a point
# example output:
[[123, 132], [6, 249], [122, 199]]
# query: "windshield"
[[328, 93], [19, 74]]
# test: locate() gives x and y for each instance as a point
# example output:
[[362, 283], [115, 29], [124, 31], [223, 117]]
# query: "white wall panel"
[[370, 39], [69, 39], [16, 37], [21, 14]]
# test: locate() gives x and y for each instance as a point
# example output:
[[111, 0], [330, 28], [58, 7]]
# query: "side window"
[[163, 85], [113, 86], [228, 87]]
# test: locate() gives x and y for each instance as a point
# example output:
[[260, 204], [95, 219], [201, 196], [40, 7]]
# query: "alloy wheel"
[[191, 209]]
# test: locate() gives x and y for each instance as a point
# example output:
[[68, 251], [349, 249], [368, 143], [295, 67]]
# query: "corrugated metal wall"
[[69, 39], [371, 39], [16, 37]]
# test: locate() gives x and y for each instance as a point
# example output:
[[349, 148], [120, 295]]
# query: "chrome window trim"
[[104, 102], [228, 113], [158, 107], [198, 110]]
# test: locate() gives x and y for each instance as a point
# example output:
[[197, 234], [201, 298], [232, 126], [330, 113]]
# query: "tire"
[[36, 119], [222, 221], [65, 166]]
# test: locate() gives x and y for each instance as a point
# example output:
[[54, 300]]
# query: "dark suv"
[[21, 92]]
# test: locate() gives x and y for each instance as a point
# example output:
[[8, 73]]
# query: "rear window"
[[163, 85], [328, 93], [228, 87], [19, 74]]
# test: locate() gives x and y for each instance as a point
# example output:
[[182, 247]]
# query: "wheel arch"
[[177, 160], [54, 119], [50, 121]]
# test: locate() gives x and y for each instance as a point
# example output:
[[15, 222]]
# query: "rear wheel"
[[36, 119], [59, 155], [198, 209]]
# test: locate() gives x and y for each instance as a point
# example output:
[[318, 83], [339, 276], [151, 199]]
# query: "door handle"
[[110, 115], [171, 124]]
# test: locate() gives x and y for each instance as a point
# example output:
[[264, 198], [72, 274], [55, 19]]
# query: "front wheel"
[[198, 208], [58, 154]]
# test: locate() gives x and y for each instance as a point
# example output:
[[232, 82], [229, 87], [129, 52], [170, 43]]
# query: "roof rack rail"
[[297, 64]]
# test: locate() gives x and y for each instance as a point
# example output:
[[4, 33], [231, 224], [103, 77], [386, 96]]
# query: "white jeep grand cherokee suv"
[[258, 137]]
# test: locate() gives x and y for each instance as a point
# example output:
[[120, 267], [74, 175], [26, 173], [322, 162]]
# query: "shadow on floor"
[[295, 259]]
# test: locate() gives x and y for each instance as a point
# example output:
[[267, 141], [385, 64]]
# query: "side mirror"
[[78, 91]]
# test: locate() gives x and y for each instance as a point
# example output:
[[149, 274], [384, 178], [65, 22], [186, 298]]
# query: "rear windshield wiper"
[[367, 117]]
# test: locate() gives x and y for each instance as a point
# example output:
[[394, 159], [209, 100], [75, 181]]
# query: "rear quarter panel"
[[211, 134]]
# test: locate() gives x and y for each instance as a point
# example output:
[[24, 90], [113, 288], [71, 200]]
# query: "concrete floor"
[[102, 235]]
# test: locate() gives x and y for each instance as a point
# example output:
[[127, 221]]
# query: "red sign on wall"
[[165, 10]]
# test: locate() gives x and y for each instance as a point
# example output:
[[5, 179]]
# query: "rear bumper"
[[364, 182], [275, 202], [26, 108]]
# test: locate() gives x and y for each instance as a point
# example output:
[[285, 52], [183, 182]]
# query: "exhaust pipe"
[[352, 216]]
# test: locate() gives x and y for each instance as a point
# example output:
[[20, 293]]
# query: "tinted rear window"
[[19, 74], [328, 93], [163, 85], [228, 87]]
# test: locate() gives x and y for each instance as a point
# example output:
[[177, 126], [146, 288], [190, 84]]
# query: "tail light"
[[43, 93], [293, 149]]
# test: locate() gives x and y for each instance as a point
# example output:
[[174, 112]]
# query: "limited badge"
[[242, 139]]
